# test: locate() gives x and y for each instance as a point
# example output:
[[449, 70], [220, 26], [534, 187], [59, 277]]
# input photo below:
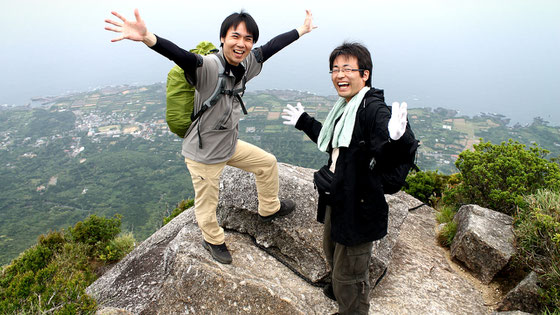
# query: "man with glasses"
[[214, 144], [353, 209]]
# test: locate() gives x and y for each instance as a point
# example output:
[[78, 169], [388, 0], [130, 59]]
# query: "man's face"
[[237, 44], [348, 84]]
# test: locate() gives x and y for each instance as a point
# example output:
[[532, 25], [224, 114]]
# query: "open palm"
[[133, 30]]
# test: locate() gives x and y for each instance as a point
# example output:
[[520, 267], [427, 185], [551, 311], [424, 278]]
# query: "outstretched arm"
[[279, 42], [297, 117], [135, 30]]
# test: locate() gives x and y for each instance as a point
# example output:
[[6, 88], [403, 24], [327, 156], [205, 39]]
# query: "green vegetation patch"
[[537, 228], [498, 176], [181, 207], [51, 276]]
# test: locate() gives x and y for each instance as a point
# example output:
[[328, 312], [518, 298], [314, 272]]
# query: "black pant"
[[349, 271]]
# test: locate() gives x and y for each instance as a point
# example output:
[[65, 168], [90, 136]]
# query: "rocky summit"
[[279, 267]]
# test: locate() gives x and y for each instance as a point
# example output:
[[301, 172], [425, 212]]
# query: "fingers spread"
[[119, 16], [112, 29], [113, 22]]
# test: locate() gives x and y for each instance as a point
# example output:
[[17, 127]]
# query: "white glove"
[[292, 114], [397, 123]]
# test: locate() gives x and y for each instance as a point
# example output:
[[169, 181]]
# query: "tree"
[[499, 176]]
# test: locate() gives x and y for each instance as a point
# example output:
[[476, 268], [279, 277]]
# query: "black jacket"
[[359, 210]]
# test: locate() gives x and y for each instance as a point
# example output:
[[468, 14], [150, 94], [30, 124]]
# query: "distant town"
[[139, 111]]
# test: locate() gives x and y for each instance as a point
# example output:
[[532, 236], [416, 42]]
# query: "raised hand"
[[292, 114], [133, 30], [307, 24], [397, 123]]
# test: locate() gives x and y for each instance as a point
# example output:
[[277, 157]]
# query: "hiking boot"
[[218, 252], [328, 291], [286, 207]]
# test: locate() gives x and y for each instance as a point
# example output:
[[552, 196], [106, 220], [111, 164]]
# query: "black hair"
[[234, 19], [354, 50]]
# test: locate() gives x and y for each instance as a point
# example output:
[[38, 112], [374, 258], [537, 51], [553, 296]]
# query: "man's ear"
[[222, 41], [365, 77]]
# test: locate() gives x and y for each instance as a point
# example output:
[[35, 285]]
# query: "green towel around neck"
[[341, 134]]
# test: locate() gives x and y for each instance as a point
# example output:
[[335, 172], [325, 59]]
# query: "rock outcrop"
[[484, 240], [278, 267], [420, 279], [296, 240], [524, 297]]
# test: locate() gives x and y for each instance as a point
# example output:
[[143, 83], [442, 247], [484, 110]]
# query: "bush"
[[498, 176], [51, 277], [537, 227], [95, 230], [427, 186], [182, 206], [117, 248], [58, 287], [445, 216]]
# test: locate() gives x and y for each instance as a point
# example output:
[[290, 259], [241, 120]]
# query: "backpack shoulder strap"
[[363, 135], [213, 99], [220, 89]]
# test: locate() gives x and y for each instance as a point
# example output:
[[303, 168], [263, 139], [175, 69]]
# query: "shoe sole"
[[209, 249], [274, 216]]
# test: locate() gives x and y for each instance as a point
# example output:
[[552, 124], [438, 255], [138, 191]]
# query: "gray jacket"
[[218, 127]]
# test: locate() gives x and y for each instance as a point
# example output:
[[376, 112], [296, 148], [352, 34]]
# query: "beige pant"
[[206, 183]]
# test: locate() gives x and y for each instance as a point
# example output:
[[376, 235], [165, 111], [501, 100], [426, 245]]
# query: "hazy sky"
[[474, 56]]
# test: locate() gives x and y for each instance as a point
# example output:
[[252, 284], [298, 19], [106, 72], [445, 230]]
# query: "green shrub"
[[119, 247], [96, 230], [537, 227], [447, 233], [445, 214], [182, 206], [498, 176], [53, 240], [51, 277], [427, 186], [34, 258]]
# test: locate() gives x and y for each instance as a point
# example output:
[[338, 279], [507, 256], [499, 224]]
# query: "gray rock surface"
[[171, 273], [296, 239], [420, 279], [524, 297], [484, 240], [174, 274]]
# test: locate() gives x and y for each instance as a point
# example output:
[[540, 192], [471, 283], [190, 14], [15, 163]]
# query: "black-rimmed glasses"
[[343, 70]]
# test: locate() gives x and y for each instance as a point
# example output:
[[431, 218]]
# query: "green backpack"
[[180, 95]]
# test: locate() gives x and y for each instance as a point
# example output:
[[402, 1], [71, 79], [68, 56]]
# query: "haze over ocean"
[[497, 56]]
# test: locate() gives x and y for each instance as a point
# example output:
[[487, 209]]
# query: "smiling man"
[[352, 204], [211, 142]]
